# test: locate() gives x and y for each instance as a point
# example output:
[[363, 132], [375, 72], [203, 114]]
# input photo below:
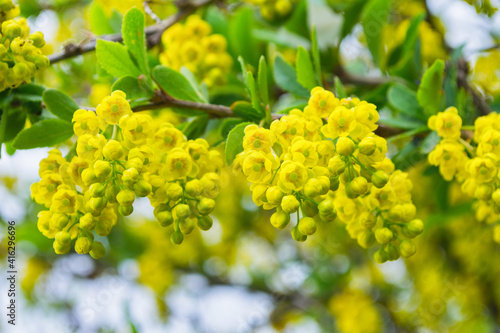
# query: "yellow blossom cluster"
[[475, 167], [192, 45], [324, 162], [20, 53], [274, 9], [8, 10], [139, 159], [486, 79]]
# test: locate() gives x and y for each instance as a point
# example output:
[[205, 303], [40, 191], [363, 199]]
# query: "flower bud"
[[182, 211], [299, 237], [103, 227], [407, 249], [194, 188], [97, 190], [327, 211], [380, 256], [174, 191], [63, 237], [280, 219], [163, 215], [21, 70], [367, 146], [205, 222], [366, 238], [309, 208], [345, 146], [334, 183], [356, 187], [379, 178], [274, 195], [307, 226], [89, 177], [367, 220], [113, 150], [187, 225], [176, 237], [205, 206], [496, 197], [60, 248], [83, 245], [312, 188], [130, 176], [414, 228], [483, 192], [125, 198], [383, 235], [87, 222], [290, 204], [60, 220], [37, 38], [111, 193], [324, 181], [336, 165], [98, 203], [125, 210], [142, 188], [97, 251], [392, 252]]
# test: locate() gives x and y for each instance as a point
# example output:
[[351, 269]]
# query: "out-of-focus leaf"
[[15, 119], [339, 88], [130, 86], [227, 125], [373, 18], [404, 100], [99, 22], [299, 16], [351, 16], [305, 70], [241, 40], [246, 111], [262, 81], [196, 127], [429, 93]]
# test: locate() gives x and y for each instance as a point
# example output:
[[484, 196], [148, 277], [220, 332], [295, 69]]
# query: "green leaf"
[[404, 100], [99, 22], [130, 86], [351, 16], [15, 119], [402, 122], [373, 18], [60, 104], [45, 133], [29, 92], [134, 37], [241, 41], [194, 83], [262, 81], [234, 143], [115, 59], [253, 92], [286, 78], [429, 93], [227, 125], [315, 54], [195, 128], [246, 111], [175, 84], [296, 22], [305, 70], [338, 88]]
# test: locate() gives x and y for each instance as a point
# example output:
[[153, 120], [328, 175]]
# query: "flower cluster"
[[20, 53], [475, 167], [8, 10], [140, 159], [193, 46], [324, 162], [272, 10]]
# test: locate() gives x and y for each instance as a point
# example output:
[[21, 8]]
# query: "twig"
[[153, 33], [479, 101], [150, 12], [214, 110]]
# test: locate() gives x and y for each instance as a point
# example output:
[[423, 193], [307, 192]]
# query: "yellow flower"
[[326, 150], [198, 150], [484, 77], [304, 152], [113, 107], [287, 128], [481, 169], [65, 200], [258, 166], [137, 127], [89, 147], [447, 123], [168, 137], [52, 163], [366, 118], [258, 138], [85, 122], [450, 156], [321, 103], [292, 176], [178, 165], [341, 122]]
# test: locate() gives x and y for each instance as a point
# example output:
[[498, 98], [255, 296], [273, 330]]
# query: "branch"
[[214, 110], [153, 32], [150, 12], [479, 102]]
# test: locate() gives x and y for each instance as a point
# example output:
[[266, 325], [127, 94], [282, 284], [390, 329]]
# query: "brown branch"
[[478, 101], [153, 32], [150, 12], [214, 110]]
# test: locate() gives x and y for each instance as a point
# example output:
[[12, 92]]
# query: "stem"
[[468, 128], [408, 133]]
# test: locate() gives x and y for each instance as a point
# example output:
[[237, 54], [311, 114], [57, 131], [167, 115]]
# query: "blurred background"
[[243, 275]]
